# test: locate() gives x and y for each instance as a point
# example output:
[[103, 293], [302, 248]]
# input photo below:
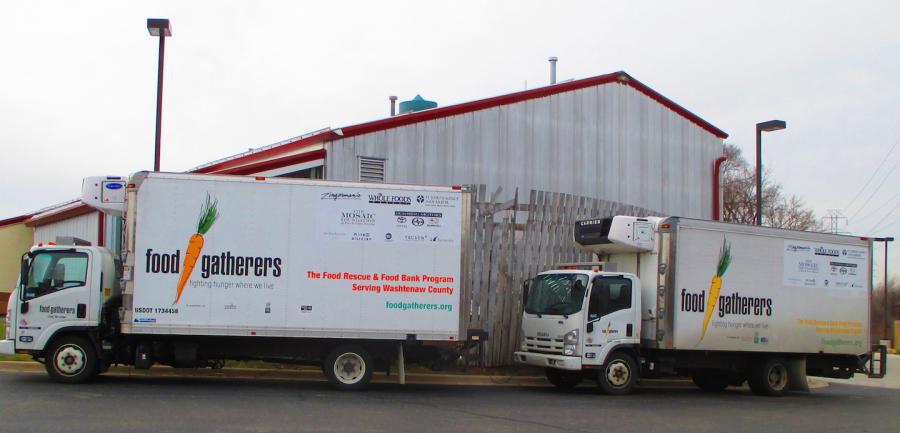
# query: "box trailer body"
[[710, 300], [231, 267]]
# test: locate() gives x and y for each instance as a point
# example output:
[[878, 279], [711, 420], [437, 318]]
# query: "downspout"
[[716, 204]]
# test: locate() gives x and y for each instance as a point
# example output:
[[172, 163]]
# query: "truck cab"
[[575, 320], [58, 308], [581, 323]]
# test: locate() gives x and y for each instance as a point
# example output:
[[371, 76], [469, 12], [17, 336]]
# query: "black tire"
[[618, 375], [712, 381], [71, 359], [769, 377], [564, 379], [348, 367]]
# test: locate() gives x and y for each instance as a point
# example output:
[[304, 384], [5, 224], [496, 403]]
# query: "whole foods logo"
[[340, 196], [358, 217], [390, 199], [831, 252]]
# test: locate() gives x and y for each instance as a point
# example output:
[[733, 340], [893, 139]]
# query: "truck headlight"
[[570, 342]]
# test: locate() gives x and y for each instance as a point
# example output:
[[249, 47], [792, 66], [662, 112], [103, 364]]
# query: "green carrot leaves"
[[209, 213], [724, 259]]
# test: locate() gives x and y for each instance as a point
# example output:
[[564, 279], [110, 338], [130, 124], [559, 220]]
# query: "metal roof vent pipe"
[[393, 105], [553, 61]]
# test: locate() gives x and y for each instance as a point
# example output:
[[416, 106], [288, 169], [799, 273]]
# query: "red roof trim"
[[276, 163], [81, 209], [225, 166], [14, 220], [512, 98]]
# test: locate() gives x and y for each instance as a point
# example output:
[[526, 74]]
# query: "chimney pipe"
[[553, 69], [393, 105]]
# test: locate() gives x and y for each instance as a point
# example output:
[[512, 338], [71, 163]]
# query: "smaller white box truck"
[[349, 276], [720, 303]]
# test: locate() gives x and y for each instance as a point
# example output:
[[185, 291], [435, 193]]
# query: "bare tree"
[[739, 203]]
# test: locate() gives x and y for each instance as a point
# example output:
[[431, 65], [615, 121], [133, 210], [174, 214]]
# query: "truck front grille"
[[544, 345]]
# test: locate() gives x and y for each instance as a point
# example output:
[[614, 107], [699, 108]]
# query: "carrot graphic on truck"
[[208, 216], [716, 284]]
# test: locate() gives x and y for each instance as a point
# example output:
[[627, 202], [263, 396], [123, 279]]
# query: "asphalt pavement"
[[29, 402]]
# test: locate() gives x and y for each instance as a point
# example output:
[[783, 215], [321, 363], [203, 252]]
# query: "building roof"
[[285, 152], [310, 146], [14, 220]]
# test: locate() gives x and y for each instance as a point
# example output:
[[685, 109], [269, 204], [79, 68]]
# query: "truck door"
[[611, 316], [55, 294]]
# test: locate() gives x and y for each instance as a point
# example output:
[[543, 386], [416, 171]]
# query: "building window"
[[371, 169], [309, 173]]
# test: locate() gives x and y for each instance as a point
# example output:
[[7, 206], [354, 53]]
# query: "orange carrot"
[[208, 215]]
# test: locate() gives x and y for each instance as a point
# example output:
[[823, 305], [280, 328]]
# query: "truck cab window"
[[53, 271], [608, 295]]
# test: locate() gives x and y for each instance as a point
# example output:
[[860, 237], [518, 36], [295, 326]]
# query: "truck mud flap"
[[876, 367]]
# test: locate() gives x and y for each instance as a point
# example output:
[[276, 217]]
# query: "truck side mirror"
[[23, 307], [590, 327]]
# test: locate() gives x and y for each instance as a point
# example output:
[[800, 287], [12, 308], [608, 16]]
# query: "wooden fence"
[[510, 242]]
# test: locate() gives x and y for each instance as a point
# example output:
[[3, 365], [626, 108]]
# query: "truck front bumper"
[[7, 347], [547, 360]]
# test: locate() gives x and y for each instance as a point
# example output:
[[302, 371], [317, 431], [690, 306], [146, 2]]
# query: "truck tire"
[[712, 381], [769, 377], [563, 379], [348, 367], [618, 375], [71, 359]]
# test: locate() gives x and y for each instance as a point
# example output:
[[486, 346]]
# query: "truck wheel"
[[348, 367], [618, 374], [563, 379], [769, 377], [711, 381], [71, 359]]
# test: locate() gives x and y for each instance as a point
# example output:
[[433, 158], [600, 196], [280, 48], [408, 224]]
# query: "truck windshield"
[[556, 294], [53, 271]]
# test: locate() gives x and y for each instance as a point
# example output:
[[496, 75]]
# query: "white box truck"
[[720, 303], [349, 276]]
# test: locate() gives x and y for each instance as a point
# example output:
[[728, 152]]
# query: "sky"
[[78, 81]]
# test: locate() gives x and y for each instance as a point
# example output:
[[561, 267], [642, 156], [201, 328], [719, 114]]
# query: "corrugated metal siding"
[[82, 226], [610, 142]]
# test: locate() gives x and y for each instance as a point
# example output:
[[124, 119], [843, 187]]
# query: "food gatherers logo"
[[723, 304], [340, 196], [225, 263], [390, 199]]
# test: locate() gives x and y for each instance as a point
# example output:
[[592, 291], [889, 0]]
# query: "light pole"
[[768, 126], [887, 308], [162, 28]]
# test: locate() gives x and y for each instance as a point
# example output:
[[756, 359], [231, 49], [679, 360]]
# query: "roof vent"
[[416, 104]]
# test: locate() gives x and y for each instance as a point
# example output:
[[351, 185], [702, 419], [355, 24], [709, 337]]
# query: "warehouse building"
[[608, 137]]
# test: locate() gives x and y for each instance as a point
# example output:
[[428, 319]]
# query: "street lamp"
[[769, 126], [887, 309], [162, 28]]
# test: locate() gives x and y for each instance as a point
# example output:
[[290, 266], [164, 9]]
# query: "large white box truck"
[[349, 276], [720, 303]]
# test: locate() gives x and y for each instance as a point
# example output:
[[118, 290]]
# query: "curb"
[[315, 375]]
